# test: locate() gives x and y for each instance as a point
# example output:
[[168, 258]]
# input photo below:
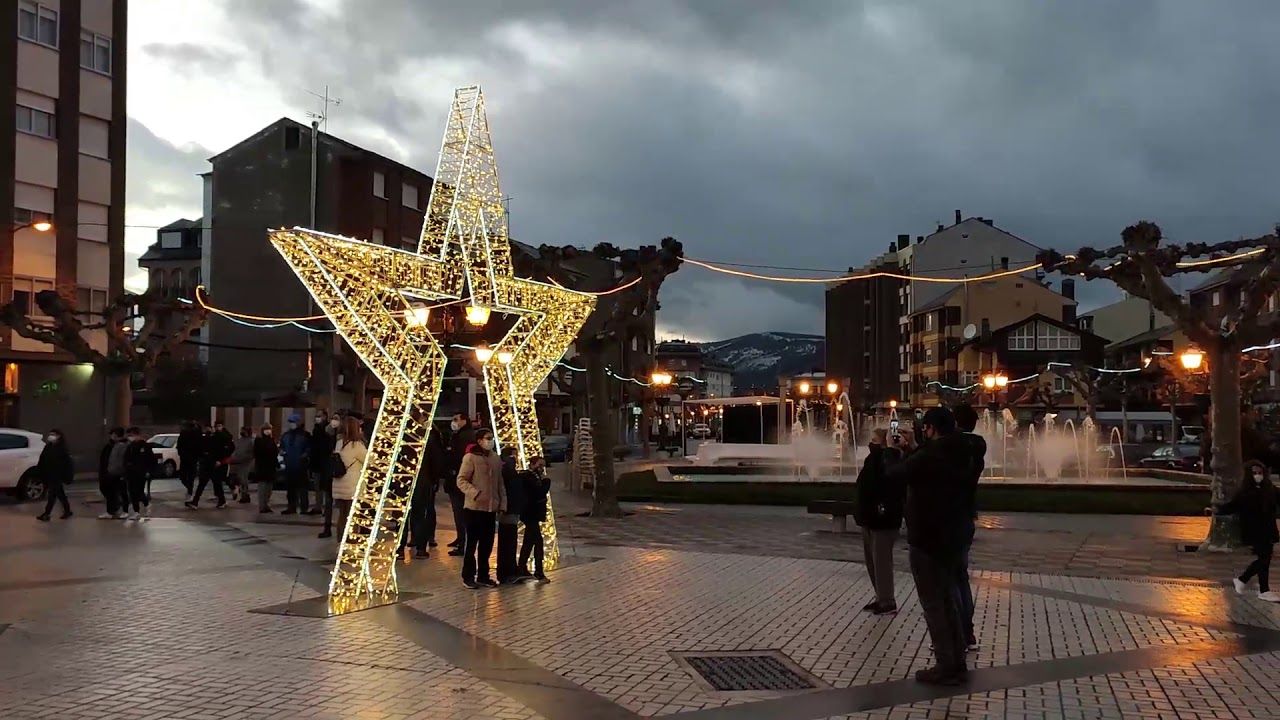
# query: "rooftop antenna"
[[323, 115]]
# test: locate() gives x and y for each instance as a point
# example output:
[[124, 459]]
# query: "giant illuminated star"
[[370, 293]]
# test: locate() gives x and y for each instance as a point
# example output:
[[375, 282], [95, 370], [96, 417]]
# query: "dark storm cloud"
[[811, 133]]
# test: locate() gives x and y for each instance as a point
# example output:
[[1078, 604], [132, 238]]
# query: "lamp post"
[[760, 407], [1191, 360], [37, 225], [658, 380]]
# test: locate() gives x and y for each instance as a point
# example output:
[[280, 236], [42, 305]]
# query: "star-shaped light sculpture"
[[378, 298]]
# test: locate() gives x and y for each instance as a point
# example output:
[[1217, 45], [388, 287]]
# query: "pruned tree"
[[166, 324], [618, 316], [1141, 266]]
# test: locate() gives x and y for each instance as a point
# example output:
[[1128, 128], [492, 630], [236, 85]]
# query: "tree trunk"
[[1228, 463], [604, 493], [122, 389]]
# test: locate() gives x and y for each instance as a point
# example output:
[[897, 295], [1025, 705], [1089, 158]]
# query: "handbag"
[[337, 467]]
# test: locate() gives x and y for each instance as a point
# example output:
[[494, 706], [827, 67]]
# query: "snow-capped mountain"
[[759, 358]]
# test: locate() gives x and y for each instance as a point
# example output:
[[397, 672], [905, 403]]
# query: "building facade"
[[173, 265], [1122, 320], [862, 330], [62, 173], [695, 373], [264, 182]]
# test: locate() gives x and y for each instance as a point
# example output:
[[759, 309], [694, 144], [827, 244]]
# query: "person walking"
[[480, 480], [351, 453], [936, 473], [241, 463], [324, 439], [265, 456], [139, 464], [1255, 505], [509, 521], [215, 460], [966, 423], [190, 444], [111, 476], [537, 486], [879, 514], [56, 470], [296, 446], [461, 436]]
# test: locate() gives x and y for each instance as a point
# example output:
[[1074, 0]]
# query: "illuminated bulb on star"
[[477, 315]]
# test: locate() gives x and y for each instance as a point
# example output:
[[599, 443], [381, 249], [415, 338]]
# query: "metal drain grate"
[[754, 671]]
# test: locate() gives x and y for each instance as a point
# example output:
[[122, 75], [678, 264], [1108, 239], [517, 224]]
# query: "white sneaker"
[[132, 516], [146, 512], [106, 516], [1270, 596], [121, 515], [190, 495], [1240, 586]]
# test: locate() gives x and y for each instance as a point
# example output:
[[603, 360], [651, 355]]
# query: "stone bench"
[[839, 510]]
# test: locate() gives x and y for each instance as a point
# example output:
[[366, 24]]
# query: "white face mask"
[[487, 443], [1257, 477], [456, 425], [266, 433], [293, 425]]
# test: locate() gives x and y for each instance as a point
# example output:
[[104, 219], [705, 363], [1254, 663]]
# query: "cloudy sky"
[[804, 134]]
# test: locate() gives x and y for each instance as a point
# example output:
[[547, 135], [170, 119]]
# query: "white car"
[[165, 448], [701, 430], [19, 452]]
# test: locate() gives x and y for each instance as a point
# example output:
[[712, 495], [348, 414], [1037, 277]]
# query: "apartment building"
[[62, 172]]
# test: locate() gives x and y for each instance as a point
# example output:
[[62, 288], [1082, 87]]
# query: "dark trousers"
[[935, 577], [187, 469], [138, 492], [55, 492], [324, 496], [877, 551], [475, 556], [341, 507], [421, 524], [1261, 566], [216, 473], [112, 488], [532, 544], [456, 501], [964, 596], [508, 539], [296, 484]]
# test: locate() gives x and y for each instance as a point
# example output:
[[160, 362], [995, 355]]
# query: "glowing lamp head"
[[417, 315], [1191, 359], [660, 378], [805, 387], [484, 353], [989, 382], [477, 315], [758, 403], [893, 403], [839, 407], [832, 387], [505, 357], [42, 226], [1002, 381]]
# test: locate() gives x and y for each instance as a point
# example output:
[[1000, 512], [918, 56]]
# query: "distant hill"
[[759, 358]]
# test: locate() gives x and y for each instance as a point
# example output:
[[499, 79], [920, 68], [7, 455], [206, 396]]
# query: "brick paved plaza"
[[1079, 617]]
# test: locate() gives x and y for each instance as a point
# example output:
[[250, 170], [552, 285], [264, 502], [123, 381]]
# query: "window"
[[95, 52], [9, 441], [175, 282], [1023, 338], [928, 321], [38, 23], [91, 302], [378, 238], [23, 216], [1217, 298], [1052, 337], [157, 281], [24, 295], [35, 122], [928, 354], [1060, 385], [292, 138], [379, 185], [969, 377], [195, 278], [409, 196]]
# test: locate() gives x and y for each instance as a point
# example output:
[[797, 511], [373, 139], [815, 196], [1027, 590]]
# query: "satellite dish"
[[970, 331]]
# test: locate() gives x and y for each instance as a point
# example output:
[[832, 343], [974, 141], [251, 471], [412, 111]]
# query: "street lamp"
[[477, 315], [38, 225], [505, 357], [893, 404], [1191, 358], [805, 387], [660, 378], [760, 406], [832, 387], [483, 353]]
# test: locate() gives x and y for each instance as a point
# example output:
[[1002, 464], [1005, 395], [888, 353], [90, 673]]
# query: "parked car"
[[19, 452], [700, 430], [1191, 434], [165, 447], [1185, 458], [555, 448]]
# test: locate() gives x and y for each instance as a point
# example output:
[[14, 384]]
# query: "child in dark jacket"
[[1255, 505], [536, 488]]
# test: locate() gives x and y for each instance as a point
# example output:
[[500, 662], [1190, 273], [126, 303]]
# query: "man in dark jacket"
[[139, 463], [937, 473], [215, 458], [111, 477], [190, 444], [461, 436], [509, 521], [967, 422], [324, 439], [296, 446], [420, 522], [879, 513], [536, 488]]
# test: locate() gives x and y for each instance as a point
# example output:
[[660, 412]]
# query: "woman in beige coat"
[[351, 449], [480, 480]]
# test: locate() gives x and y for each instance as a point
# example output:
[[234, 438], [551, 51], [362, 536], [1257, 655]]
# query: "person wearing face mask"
[[56, 469], [480, 480], [265, 452], [536, 488], [323, 444], [937, 474], [1255, 505], [296, 446], [461, 436], [241, 462], [351, 453]]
